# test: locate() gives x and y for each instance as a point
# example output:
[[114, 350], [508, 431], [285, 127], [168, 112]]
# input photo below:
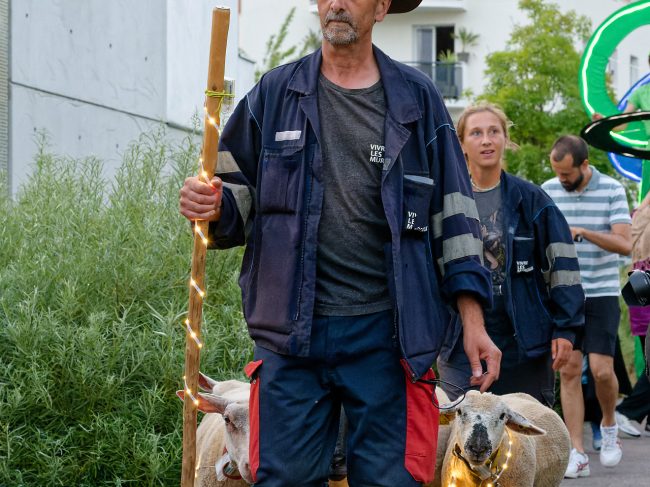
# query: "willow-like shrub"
[[93, 295]]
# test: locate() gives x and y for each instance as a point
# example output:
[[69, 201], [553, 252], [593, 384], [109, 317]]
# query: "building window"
[[432, 45], [634, 69], [612, 68]]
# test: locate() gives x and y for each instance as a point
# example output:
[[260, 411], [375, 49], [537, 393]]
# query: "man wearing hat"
[[342, 175]]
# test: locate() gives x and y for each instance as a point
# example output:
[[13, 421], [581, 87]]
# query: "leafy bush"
[[535, 80], [93, 292]]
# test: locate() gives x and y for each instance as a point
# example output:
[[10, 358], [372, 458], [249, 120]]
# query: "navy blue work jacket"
[[271, 163], [542, 290]]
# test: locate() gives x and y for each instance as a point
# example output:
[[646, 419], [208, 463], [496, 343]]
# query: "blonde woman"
[[537, 309]]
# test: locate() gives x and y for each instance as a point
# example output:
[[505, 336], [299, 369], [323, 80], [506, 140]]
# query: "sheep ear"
[[206, 383], [517, 422], [211, 403], [208, 403], [447, 413]]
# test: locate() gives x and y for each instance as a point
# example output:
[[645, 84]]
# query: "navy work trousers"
[[353, 362]]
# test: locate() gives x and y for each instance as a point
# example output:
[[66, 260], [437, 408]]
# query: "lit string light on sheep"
[[493, 480]]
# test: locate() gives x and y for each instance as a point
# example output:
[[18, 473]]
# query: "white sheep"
[[511, 440], [226, 424]]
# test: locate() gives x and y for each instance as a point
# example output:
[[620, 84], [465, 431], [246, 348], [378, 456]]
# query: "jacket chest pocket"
[[418, 192], [523, 255], [280, 181]]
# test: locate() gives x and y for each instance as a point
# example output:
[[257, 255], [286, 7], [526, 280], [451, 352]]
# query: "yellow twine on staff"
[[219, 94]]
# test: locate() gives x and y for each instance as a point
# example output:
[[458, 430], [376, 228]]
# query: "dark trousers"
[[533, 376], [636, 406], [354, 363]]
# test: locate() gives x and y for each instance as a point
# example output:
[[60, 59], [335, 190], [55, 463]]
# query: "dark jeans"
[[636, 406], [354, 362]]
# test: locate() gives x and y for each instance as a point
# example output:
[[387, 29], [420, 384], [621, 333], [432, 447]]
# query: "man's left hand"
[[561, 349], [478, 345]]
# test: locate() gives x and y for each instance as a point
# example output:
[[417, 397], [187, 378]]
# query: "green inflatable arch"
[[593, 68]]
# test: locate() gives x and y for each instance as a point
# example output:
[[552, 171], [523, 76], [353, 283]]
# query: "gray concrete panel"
[[108, 52], [75, 129]]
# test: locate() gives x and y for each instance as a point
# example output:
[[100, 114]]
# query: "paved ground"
[[634, 469]]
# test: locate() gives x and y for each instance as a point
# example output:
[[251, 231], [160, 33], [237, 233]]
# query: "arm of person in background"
[[617, 241], [629, 108], [556, 250], [477, 343]]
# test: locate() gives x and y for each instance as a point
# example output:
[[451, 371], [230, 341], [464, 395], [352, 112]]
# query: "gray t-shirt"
[[351, 269], [490, 213]]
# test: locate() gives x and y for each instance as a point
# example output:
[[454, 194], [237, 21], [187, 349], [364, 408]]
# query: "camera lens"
[[637, 290]]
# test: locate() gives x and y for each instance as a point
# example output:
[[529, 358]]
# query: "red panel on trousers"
[[422, 420], [251, 371]]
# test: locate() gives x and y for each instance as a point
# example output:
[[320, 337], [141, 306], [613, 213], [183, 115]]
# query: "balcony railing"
[[448, 77]]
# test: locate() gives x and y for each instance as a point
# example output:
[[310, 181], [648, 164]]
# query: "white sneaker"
[[626, 426], [578, 465], [610, 451]]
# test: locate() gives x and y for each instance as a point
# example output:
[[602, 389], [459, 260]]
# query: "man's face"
[[570, 176], [344, 22]]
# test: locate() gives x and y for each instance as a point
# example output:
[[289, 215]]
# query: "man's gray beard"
[[340, 38]]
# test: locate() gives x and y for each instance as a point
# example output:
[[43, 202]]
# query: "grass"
[[93, 293]]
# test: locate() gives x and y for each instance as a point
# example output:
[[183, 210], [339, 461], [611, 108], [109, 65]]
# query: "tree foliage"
[[276, 54], [535, 80]]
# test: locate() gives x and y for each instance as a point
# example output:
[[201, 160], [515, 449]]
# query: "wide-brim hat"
[[402, 6]]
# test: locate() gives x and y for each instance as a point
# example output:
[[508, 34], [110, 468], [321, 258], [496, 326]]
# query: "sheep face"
[[234, 411], [479, 424], [237, 436]]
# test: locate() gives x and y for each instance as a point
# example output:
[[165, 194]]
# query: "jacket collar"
[[400, 101], [511, 192], [592, 185]]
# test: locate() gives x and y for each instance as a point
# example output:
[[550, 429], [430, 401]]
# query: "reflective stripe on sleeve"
[[564, 278], [466, 245], [453, 204], [560, 249], [243, 199], [226, 163]]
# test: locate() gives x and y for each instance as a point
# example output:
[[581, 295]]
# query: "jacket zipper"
[[304, 238]]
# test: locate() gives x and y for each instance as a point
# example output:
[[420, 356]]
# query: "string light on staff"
[[218, 95], [188, 391], [223, 110]]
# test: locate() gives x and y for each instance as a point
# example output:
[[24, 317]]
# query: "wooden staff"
[[216, 68]]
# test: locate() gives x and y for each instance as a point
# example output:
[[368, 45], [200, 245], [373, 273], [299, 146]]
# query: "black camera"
[[637, 290]]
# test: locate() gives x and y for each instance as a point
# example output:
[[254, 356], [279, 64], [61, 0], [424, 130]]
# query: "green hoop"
[[593, 67]]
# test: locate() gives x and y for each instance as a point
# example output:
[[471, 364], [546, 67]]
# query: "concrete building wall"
[[4, 85], [95, 74]]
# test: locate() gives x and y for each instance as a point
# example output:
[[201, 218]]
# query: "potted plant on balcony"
[[448, 57], [467, 39]]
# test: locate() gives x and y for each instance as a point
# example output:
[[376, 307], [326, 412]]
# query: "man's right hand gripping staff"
[[200, 200]]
